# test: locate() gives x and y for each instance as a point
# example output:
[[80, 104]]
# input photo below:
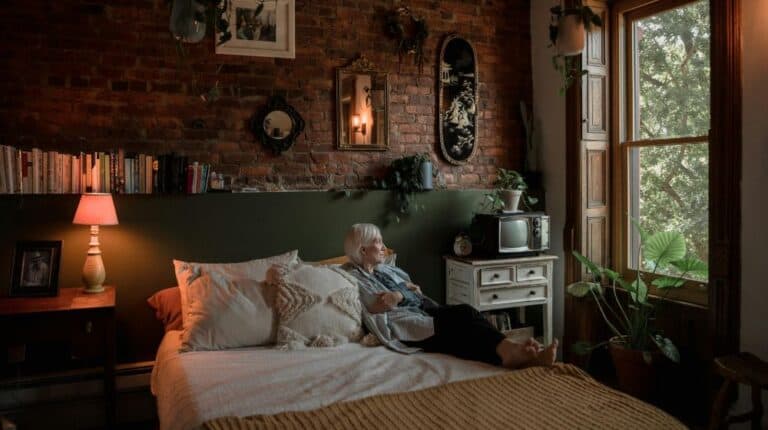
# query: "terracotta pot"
[[511, 199], [635, 376], [570, 35]]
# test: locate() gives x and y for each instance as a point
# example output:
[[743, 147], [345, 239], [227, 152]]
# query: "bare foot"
[[519, 355], [514, 355], [547, 355]]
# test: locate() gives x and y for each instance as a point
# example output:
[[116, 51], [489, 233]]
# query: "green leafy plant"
[[404, 180], [507, 179], [567, 66], [631, 316]]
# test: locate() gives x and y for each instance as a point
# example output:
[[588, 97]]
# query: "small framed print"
[[36, 268], [262, 28]]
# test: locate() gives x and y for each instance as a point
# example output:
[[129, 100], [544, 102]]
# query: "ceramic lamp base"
[[93, 269]]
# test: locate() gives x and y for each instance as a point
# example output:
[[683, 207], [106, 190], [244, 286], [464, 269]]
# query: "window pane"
[[672, 73], [669, 192]]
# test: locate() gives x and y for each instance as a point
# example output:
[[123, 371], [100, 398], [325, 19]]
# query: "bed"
[[262, 387], [219, 384]]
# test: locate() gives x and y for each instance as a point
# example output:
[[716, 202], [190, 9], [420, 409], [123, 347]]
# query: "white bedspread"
[[194, 387]]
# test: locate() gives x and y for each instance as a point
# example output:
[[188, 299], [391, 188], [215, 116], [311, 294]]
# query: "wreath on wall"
[[410, 31]]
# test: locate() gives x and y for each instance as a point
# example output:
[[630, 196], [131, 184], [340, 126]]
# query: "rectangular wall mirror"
[[362, 101]]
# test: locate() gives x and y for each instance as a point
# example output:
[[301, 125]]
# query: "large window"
[[665, 125]]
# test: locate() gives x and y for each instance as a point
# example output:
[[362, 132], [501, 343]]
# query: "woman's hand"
[[415, 288], [385, 302]]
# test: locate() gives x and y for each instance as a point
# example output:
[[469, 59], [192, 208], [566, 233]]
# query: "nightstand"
[[72, 316], [502, 284]]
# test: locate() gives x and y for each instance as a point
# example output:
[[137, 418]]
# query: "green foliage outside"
[[673, 78]]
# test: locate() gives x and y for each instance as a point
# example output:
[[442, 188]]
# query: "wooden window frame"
[[725, 149], [622, 142]]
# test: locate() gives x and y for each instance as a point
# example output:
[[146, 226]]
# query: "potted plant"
[[406, 176], [636, 344], [510, 189], [567, 33]]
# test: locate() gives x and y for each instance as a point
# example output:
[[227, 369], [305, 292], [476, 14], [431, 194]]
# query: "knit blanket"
[[559, 397]]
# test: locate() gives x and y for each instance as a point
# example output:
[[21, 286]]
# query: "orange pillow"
[[167, 306]]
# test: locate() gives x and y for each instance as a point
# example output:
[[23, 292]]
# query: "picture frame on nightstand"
[[35, 268]]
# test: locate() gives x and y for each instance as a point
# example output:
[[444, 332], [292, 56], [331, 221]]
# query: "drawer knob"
[[532, 292], [531, 272], [495, 275], [89, 327], [495, 296]]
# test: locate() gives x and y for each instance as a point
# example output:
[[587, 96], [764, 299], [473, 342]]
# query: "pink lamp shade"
[[96, 209]]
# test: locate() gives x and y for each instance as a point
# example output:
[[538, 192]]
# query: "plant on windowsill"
[[405, 177], [567, 32], [636, 343], [510, 190]]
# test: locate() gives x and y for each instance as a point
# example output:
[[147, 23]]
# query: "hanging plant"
[[567, 30], [410, 32]]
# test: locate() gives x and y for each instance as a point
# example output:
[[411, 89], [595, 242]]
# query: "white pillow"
[[316, 306], [186, 272], [225, 312]]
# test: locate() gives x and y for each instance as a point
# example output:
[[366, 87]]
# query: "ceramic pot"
[[570, 35], [636, 377], [511, 199], [426, 175]]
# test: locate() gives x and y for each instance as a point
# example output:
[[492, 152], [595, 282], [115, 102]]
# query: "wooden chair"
[[741, 368]]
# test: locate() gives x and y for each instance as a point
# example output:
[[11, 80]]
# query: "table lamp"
[[95, 209]]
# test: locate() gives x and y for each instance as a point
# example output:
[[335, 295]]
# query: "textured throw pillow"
[[225, 312], [187, 272], [316, 306], [167, 306]]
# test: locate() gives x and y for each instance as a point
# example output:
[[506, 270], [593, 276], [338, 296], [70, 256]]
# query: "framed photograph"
[[36, 268], [262, 28]]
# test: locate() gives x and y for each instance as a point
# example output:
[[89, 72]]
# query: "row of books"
[[50, 172]]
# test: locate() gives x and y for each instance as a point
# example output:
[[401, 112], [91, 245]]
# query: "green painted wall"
[[155, 229]]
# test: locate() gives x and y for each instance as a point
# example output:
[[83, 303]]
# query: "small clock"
[[462, 246]]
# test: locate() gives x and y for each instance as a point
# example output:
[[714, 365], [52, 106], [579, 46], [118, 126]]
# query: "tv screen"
[[513, 234]]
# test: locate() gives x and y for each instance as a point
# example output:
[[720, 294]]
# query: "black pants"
[[461, 330]]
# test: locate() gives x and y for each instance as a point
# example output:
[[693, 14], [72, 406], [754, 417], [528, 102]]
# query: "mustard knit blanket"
[[561, 397]]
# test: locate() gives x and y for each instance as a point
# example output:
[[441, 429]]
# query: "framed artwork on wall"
[[36, 268], [261, 28]]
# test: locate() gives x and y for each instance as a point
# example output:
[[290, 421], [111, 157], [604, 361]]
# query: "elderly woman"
[[406, 321]]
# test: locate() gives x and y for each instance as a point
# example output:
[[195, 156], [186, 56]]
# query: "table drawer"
[[532, 272], [512, 295], [460, 292], [496, 276], [458, 273]]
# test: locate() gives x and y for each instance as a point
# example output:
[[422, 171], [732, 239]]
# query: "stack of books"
[[50, 172]]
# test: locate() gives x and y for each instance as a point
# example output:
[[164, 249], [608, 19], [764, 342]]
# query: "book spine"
[[66, 174], [3, 174], [17, 172], [148, 173], [75, 174], [10, 164], [120, 171], [36, 176]]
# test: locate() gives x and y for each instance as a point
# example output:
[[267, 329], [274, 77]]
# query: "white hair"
[[359, 236]]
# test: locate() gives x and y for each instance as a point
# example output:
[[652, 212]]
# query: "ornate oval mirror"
[[362, 107], [277, 125], [457, 100]]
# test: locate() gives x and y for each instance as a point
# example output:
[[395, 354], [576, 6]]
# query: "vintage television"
[[510, 234]]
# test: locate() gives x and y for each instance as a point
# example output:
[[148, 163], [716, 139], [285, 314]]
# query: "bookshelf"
[[35, 171]]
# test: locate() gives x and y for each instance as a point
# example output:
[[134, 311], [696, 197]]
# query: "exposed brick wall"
[[87, 75]]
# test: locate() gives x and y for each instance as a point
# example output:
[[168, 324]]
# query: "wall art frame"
[[261, 28], [35, 268], [457, 100]]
